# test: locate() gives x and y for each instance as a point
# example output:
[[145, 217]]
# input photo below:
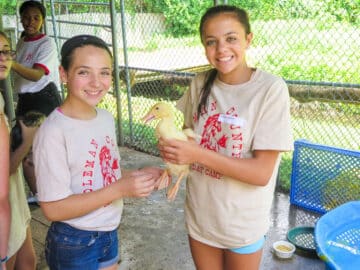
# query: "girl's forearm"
[[31, 74], [255, 171], [139, 184], [77, 205]]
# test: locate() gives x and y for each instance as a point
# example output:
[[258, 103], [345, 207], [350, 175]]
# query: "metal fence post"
[[116, 71], [128, 87]]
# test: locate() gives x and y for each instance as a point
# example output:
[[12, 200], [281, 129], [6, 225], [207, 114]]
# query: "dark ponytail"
[[205, 91]]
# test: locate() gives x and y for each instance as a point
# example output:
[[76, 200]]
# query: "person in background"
[[243, 116], [77, 165], [36, 77], [20, 251]]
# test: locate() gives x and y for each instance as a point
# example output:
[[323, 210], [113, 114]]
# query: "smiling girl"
[[243, 116], [77, 165]]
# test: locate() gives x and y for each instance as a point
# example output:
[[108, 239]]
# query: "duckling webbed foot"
[[163, 181], [171, 194]]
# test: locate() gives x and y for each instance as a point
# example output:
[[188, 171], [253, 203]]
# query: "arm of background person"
[[31, 74]]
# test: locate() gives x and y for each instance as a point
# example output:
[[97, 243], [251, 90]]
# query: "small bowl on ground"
[[303, 238], [283, 249]]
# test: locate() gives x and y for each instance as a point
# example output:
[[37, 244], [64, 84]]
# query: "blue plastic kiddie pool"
[[337, 237]]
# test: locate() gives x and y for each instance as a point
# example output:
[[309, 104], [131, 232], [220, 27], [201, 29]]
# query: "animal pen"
[[157, 51], [156, 54]]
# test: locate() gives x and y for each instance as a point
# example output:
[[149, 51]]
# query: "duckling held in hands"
[[167, 129]]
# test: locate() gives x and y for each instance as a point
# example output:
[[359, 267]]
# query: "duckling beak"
[[148, 118]]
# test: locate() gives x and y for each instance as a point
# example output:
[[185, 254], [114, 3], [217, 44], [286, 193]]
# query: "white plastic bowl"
[[283, 249]]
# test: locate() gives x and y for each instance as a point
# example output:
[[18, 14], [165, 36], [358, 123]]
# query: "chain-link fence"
[[313, 45]]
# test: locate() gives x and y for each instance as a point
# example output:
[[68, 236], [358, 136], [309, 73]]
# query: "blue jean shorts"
[[69, 248]]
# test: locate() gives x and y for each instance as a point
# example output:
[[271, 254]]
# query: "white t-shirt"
[[74, 156], [239, 119], [37, 52]]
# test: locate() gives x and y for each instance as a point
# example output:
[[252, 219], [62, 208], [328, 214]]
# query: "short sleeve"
[[46, 54], [50, 161], [274, 130]]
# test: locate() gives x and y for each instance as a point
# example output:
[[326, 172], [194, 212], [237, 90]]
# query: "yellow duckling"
[[167, 129]]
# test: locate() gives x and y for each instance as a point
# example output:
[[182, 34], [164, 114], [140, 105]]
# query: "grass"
[[328, 133], [296, 49], [159, 41], [318, 53]]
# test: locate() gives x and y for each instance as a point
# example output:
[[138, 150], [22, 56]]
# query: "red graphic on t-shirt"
[[28, 57], [212, 138], [107, 169]]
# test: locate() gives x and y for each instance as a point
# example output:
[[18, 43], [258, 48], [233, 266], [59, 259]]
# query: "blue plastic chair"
[[337, 237]]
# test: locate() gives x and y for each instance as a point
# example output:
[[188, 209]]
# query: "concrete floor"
[[152, 234]]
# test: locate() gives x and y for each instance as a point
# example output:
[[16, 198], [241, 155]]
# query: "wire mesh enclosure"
[[324, 177], [157, 50]]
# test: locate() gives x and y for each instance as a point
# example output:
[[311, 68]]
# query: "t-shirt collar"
[[34, 38]]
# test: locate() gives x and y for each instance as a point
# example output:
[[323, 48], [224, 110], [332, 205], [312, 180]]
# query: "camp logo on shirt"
[[222, 133], [108, 165], [28, 57]]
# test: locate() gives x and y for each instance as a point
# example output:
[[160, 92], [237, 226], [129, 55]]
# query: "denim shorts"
[[69, 248], [250, 248]]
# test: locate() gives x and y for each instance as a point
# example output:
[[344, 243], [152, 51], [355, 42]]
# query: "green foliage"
[[159, 41], [285, 171], [341, 189], [344, 10], [296, 50], [334, 10], [182, 17], [348, 109], [8, 7], [81, 8]]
